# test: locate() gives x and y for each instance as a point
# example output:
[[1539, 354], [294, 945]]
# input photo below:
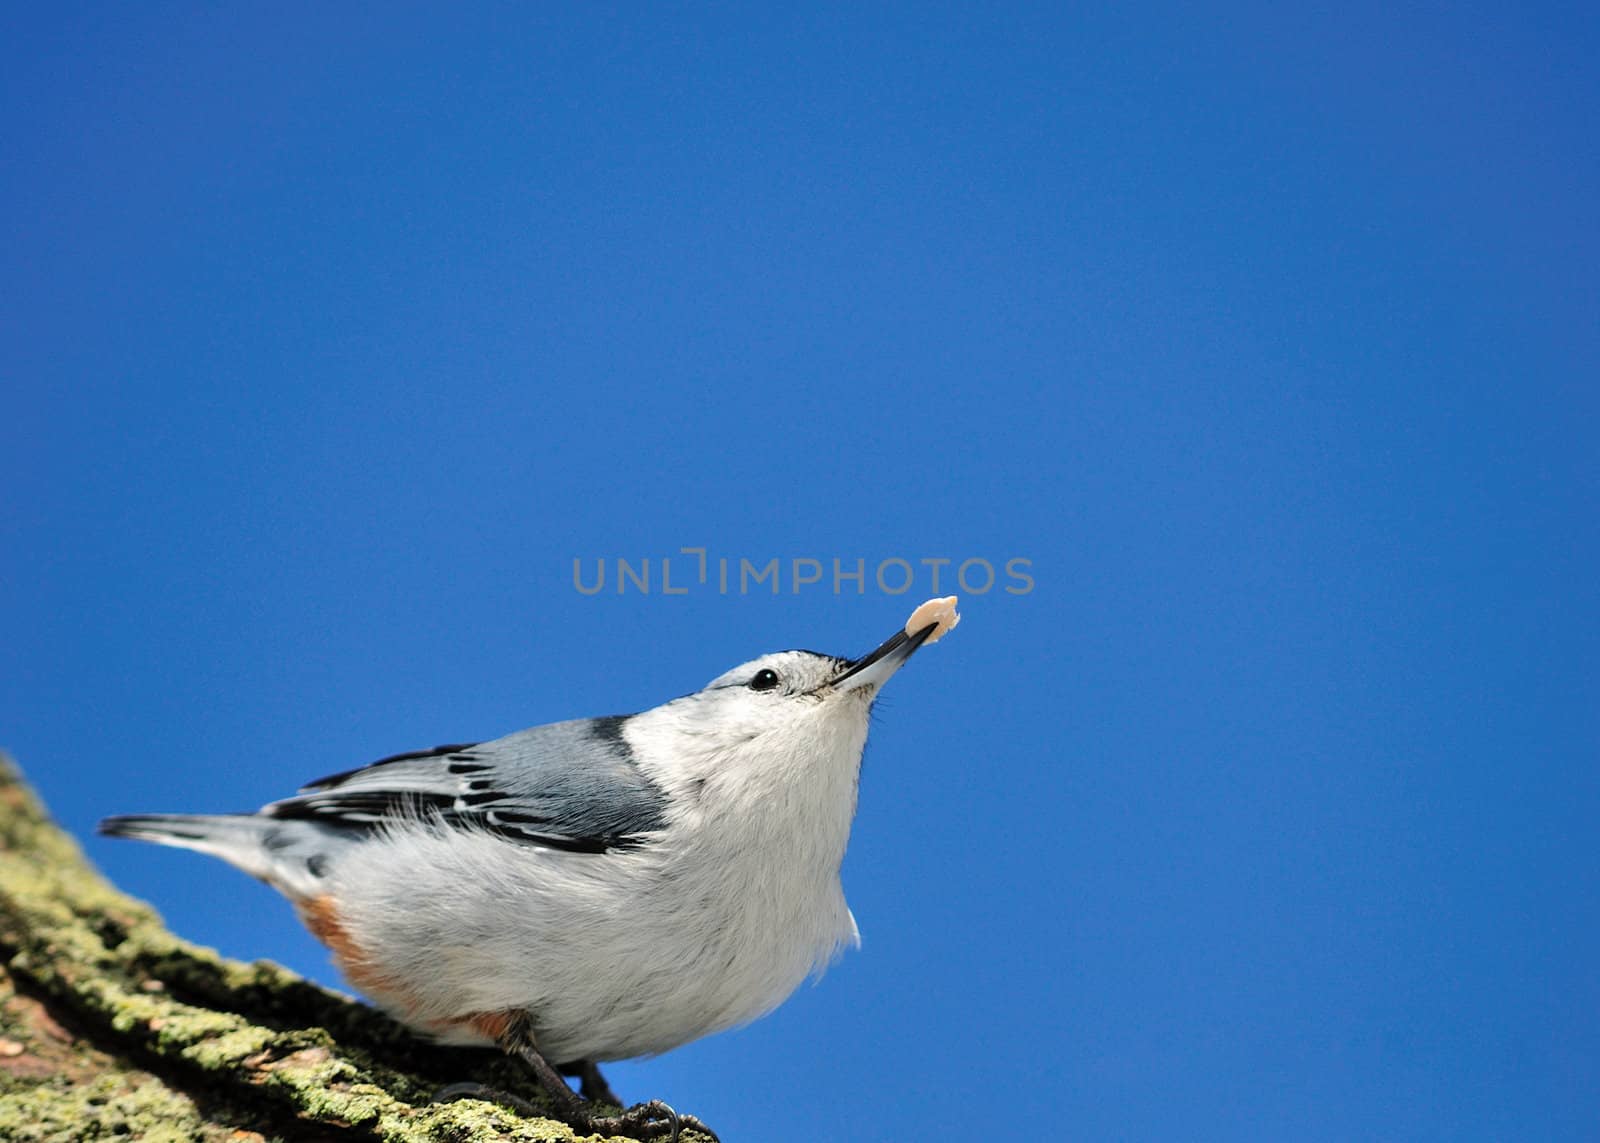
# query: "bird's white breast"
[[710, 923]]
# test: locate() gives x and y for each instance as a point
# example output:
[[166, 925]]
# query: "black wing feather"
[[574, 786]]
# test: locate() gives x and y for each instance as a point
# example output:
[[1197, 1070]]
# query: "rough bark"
[[111, 1027]]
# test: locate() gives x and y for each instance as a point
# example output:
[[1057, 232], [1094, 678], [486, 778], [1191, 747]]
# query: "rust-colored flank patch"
[[321, 916]]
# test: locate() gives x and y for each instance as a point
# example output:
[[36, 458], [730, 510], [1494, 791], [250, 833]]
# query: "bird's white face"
[[786, 717], [783, 695], [771, 747], [781, 675]]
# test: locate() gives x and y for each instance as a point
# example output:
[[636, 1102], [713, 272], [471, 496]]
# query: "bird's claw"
[[646, 1121]]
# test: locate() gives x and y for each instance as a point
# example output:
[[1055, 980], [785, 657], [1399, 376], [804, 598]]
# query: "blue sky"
[[1267, 336]]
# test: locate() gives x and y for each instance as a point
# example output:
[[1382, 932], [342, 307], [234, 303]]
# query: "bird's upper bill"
[[928, 624]]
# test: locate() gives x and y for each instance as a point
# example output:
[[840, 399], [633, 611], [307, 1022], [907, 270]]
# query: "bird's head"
[[790, 715]]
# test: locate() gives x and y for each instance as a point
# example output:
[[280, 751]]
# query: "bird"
[[588, 890]]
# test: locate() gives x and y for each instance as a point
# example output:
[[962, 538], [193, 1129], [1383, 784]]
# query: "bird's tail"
[[286, 855], [228, 836]]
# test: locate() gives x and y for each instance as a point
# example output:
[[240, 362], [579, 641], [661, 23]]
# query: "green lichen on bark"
[[113, 1028]]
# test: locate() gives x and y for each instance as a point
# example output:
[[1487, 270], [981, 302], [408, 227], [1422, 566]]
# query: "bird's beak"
[[873, 670]]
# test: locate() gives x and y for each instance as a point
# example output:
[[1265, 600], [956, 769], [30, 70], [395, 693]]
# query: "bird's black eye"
[[765, 680]]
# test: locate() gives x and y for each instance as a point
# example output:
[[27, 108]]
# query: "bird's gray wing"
[[569, 785]]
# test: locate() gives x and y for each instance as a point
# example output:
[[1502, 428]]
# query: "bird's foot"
[[644, 1121]]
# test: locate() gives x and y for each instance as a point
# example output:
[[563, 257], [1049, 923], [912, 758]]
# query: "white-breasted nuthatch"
[[587, 890]]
